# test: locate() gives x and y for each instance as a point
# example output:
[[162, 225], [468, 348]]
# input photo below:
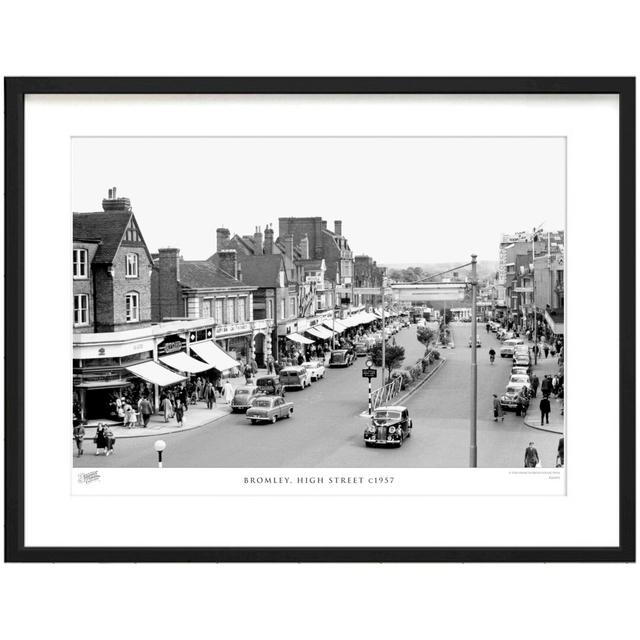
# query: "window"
[[81, 310], [132, 307], [282, 309], [132, 265], [242, 308], [131, 234], [269, 309], [80, 269], [207, 308], [231, 316], [219, 311], [292, 307]]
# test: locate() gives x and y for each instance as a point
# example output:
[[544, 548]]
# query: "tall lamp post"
[[159, 446], [383, 336], [533, 295], [473, 444]]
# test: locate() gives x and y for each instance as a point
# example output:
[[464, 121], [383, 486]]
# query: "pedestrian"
[[546, 386], [228, 392], [546, 350], [560, 455], [209, 395], [497, 409], [534, 385], [217, 383], [300, 359], [146, 410], [111, 440], [545, 409], [555, 385], [78, 436], [130, 416], [100, 439], [165, 406], [184, 397], [531, 457], [179, 412], [248, 374], [199, 387]]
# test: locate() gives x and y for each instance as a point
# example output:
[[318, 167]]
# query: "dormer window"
[[131, 265], [80, 264]]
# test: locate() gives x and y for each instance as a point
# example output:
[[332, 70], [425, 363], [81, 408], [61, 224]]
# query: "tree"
[[393, 356], [426, 336]]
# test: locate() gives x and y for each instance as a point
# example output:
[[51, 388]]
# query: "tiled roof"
[[203, 274], [109, 227], [261, 271], [311, 263]]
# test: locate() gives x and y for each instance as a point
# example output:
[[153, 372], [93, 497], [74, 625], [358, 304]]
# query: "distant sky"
[[401, 200]]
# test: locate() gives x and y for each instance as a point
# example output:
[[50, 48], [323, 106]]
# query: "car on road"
[[270, 385], [522, 360], [520, 380], [503, 335], [315, 369], [509, 399], [341, 358], [242, 397], [519, 369], [478, 343], [269, 409], [389, 426], [362, 349], [294, 377], [508, 347]]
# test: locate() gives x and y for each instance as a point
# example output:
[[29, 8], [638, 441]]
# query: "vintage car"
[[242, 397], [509, 399], [508, 347], [270, 386], [389, 426], [269, 409], [294, 377], [520, 380], [341, 358], [362, 349], [520, 369], [522, 360], [478, 343], [315, 369]]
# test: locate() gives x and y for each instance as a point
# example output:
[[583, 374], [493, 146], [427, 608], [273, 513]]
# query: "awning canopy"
[[336, 325], [105, 384], [153, 372], [320, 332], [182, 362], [211, 353], [296, 337]]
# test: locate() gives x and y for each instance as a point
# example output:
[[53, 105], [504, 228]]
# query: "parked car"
[[315, 369], [478, 343], [270, 386], [341, 358], [269, 409], [519, 369], [242, 397], [509, 399], [389, 426], [294, 377], [508, 347], [362, 349], [522, 360], [520, 380]]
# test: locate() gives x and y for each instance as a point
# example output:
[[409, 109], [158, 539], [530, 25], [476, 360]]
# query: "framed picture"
[[320, 319]]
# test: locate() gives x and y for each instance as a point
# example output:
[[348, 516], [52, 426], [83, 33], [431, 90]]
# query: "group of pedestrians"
[[103, 439], [532, 457]]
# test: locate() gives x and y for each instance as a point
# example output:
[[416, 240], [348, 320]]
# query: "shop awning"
[[182, 362], [153, 372], [338, 327], [296, 337], [104, 384], [320, 332], [211, 353]]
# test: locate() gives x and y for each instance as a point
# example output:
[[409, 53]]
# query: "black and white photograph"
[[318, 302]]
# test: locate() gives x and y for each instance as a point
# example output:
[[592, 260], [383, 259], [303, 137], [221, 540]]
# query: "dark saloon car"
[[269, 409], [270, 385], [389, 426], [242, 398], [362, 349], [341, 358]]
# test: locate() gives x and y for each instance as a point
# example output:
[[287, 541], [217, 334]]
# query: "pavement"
[[546, 366], [327, 432]]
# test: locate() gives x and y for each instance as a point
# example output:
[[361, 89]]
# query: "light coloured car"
[[315, 369], [294, 377], [508, 347], [520, 380], [269, 409], [518, 369], [478, 343]]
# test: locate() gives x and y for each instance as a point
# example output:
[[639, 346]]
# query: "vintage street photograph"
[[318, 302]]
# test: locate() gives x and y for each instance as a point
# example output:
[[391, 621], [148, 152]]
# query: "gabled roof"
[[262, 270], [109, 227], [203, 274], [311, 264]]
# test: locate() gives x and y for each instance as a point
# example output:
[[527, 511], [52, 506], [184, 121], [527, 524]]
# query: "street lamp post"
[[369, 365], [383, 336], [159, 446], [473, 445]]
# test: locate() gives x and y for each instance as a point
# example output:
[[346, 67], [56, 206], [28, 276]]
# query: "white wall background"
[[329, 38]]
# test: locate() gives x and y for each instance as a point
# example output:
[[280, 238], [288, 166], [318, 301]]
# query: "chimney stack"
[[304, 247], [337, 225], [229, 262], [222, 236], [111, 203], [288, 243], [257, 241], [169, 283], [268, 240]]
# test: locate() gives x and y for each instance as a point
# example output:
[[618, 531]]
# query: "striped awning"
[[210, 352], [336, 325], [296, 337], [155, 373], [320, 332], [182, 362]]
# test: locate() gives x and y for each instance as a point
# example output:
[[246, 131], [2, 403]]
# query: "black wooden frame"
[[15, 91]]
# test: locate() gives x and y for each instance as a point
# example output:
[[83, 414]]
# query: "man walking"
[[531, 457], [546, 350], [560, 456], [78, 436], [534, 385], [146, 410], [497, 409], [545, 409], [210, 395], [545, 387]]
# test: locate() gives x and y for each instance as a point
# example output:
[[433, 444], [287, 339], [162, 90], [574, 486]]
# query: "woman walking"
[[100, 439], [179, 411], [165, 406], [228, 392]]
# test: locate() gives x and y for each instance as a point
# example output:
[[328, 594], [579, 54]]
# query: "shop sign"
[[171, 344]]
